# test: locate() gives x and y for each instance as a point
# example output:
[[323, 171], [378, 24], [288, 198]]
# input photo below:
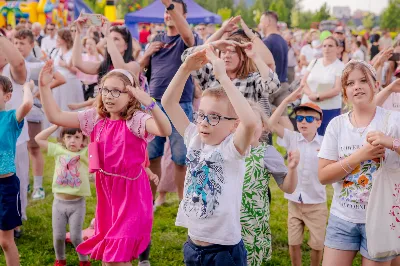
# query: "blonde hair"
[[219, 94], [133, 105], [258, 110], [360, 65]]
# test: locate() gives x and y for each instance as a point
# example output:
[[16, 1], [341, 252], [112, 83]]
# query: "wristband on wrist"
[[340, 160], [151, 106], [396, 144]]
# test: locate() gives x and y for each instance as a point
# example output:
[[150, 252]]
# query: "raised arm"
[[15, 59], [226, 28], [91, 68], [116, 57], [181, 24], [51, 109], [27, 101], [42, 138], [259, 47], [248, 121], [172, 96], [382, 96], [273, 121]]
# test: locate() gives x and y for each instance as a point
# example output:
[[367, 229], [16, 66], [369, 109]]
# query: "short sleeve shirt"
[[9, 132], [165, 63], [71, 174], [279, 49]]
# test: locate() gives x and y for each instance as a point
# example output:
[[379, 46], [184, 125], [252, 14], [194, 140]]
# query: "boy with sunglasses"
[[307, 204]]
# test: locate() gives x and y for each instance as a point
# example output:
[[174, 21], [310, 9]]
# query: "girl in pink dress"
[[124, 212]]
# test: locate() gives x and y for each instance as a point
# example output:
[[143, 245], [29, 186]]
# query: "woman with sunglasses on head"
[[322, 82]]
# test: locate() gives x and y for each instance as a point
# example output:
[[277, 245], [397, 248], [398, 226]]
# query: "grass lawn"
[[36, 246]]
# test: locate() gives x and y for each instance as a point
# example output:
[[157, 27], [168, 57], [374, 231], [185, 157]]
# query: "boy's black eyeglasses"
[[309, 118], [212, 119], [114, 93]]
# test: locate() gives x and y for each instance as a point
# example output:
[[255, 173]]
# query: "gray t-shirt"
[[273, 161]]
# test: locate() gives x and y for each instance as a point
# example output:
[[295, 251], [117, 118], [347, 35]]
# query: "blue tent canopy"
[[79, 5], [154, 13]]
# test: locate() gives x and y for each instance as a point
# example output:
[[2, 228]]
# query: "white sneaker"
[[38, 194], [144, 263]]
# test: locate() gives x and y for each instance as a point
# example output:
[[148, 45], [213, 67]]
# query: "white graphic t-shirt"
[[350, 198], [210, 208]]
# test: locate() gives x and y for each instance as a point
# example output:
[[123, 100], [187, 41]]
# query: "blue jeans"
[[328, 115], [178, 148], [214, 255], [344, 235]]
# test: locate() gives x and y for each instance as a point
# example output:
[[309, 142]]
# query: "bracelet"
[[343, 167], [396, 144], [348, 165], [151, 106]]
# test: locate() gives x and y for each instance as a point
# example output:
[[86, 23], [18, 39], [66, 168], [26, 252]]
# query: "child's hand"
[[218, 63], [376, 138], [29, 85], [46, 74], [295, 95], [152, 176], [246, 29], [293, 159], [140, 95], [195, 61], [73, 106]]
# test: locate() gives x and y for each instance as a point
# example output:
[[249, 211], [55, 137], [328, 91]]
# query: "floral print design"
[[358, 184]]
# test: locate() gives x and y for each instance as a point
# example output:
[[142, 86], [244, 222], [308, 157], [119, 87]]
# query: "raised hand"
[[223, 44], [105, 28], [29, 85], [293, 159], [231, 25], [295, 95], [249, 33], [195, 61], [140, 95], [248, 49], [46, 74], [218, 64]]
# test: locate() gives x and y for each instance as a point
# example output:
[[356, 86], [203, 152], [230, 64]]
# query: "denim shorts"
[[214, 255], [178, 148], [344, 235], [10, 203]]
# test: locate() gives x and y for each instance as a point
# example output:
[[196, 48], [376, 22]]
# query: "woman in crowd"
[[322, 82]]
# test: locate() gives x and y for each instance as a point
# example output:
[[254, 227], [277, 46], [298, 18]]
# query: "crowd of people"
[[192, 110]]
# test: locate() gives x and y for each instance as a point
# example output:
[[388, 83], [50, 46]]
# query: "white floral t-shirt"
[[350, 198]]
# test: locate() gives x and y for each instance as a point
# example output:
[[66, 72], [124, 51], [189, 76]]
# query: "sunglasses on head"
[[309, 118]]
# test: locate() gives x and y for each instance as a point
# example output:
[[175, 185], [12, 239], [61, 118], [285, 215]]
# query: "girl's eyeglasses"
[[114, 92], [212, 119], [309, 118]]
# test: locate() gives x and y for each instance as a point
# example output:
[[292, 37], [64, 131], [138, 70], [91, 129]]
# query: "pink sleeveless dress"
[[124, 211]]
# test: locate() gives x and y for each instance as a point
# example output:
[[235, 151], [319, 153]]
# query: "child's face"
[[213, 107], [114, 95], [74, 142], [358, 90], [306, 128], [4, 98]]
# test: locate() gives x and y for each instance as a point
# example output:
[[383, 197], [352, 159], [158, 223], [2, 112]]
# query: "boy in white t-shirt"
[[307, 204], [217, 146]]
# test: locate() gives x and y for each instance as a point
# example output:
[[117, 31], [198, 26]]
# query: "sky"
[[375, 6]]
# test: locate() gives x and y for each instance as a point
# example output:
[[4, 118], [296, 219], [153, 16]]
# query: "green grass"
[[36, 246]]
